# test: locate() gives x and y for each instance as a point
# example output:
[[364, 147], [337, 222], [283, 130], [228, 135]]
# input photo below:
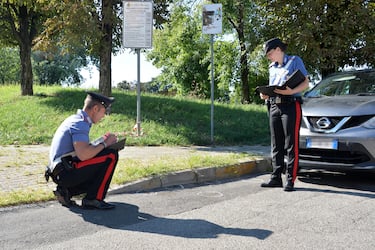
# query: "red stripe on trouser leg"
[[296, 140], [99, 160], [92, 161], [100, 194]]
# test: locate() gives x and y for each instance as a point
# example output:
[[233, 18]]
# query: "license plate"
[[322, 143]]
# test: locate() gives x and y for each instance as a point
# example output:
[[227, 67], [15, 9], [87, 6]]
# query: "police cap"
[[273, 44], [104, 100]]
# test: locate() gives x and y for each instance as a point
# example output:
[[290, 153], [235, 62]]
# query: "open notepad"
[[119, 145], [293, 81]]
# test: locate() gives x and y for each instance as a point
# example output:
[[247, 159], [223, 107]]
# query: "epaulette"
[[82, 117], [289, 58]]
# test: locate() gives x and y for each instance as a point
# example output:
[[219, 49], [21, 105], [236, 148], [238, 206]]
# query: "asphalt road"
[[325, 212]]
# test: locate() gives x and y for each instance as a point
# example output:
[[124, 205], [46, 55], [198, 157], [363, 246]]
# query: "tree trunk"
[[25, 43], [243, 56], [244, 74], [26, 70], [105, 79]]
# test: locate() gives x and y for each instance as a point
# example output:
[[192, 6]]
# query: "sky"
[[124, 67]]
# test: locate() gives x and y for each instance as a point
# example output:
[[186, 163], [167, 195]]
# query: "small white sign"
[[212, 17], [138, 24]]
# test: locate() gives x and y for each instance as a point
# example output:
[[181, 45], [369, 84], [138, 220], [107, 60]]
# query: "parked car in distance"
[[338, 123]]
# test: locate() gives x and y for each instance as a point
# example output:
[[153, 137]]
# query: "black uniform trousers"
[[92, 176], [285, 122]]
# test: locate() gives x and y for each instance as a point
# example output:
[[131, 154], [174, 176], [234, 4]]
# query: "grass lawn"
[[165, 120]]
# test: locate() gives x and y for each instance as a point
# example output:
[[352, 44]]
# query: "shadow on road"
[[127, 217], [354, 181]]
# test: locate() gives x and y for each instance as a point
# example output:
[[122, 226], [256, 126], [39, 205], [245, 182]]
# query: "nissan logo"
[[323, 123]]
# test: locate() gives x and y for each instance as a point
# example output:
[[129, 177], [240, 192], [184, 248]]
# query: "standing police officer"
[[77, 166], [284, 112]]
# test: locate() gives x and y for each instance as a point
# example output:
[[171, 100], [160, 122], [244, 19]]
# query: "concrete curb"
[[196, 176]]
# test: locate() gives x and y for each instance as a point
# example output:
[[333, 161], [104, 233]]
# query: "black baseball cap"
[[273, 44], [104, 100]]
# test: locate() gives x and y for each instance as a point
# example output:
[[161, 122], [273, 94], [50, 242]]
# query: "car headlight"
[[370, 124]]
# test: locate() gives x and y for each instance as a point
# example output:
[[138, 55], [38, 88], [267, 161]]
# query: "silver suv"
[[338, 125]]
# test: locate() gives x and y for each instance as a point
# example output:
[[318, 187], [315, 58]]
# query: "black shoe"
[[273, 183], [91, 204], [63, 196], [289, 187]]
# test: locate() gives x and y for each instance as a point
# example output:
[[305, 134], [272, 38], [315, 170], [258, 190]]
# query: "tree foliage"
[[59, 68], [83, 26], [9, 65], [66, 27], [243, 19], [183, 52], [226, 68], [327, 34], [180, 50], [95, 27], [20, 23]]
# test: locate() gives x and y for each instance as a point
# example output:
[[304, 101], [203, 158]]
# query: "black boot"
[[63, 196], [91, 204], [289, 186], [273, 183]]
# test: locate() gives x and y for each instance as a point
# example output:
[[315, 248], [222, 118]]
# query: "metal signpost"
[[137, 34], [212, 24]]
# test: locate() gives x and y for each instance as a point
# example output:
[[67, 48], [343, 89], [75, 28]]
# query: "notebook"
[[293, 81], [119, 145]]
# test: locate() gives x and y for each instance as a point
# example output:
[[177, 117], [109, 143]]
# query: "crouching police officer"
[[76, 165]]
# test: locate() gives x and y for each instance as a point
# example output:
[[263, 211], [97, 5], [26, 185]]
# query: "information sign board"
[[212, 19], [138, 23]]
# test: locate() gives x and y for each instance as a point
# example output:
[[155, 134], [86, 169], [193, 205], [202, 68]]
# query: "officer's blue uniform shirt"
[[75, 128], [280, 73]]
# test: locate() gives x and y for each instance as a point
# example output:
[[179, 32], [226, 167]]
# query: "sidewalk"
[[22, 167]]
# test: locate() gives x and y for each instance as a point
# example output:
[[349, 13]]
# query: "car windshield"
[[349, 83]]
